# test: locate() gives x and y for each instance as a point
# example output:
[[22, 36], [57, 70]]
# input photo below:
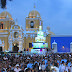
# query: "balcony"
[[31, 29], [4, 31]]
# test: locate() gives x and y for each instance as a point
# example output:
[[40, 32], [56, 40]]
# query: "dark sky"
[[55, 13]]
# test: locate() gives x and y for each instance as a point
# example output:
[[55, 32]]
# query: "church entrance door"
[[0, 49], [15, 47]]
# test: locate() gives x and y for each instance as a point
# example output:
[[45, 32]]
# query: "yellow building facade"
[[14, 38]]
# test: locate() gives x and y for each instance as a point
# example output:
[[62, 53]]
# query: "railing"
[[29, 53], [3, 30], [25, 53]]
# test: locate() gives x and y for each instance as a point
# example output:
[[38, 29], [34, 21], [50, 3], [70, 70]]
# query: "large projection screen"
[[40, 45]]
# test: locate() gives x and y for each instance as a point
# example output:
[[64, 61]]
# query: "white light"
[[52, 67]]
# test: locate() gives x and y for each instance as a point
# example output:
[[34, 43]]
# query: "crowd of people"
[[53, 62]]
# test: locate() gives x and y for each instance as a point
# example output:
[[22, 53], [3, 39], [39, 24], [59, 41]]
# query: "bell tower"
[[33, 20]]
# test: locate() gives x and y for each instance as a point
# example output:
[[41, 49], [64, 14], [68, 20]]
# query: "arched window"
[[31, 24], [15, 34], [1, 25]]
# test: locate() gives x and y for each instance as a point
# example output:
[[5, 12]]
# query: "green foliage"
[[3, 3]]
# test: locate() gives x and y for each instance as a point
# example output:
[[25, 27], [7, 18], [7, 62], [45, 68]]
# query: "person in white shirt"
[[43, 66], [67, 68], [71, 67], [17, 56], [17, 69], [62, 67], [55, 67], [5, 58], [5, 68]]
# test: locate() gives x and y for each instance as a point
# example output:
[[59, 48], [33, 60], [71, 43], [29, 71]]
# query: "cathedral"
[[14, 38]]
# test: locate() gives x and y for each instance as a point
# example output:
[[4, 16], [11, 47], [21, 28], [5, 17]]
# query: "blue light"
[[32, 44], [43, 43]]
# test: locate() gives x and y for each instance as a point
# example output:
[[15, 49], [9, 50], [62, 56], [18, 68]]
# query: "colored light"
[[40, 28], [43, 43], [63, 46]]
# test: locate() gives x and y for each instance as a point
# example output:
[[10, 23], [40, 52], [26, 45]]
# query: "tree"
[[3, 3]]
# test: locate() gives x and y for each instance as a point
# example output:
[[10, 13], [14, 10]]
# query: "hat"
[[17, 65]]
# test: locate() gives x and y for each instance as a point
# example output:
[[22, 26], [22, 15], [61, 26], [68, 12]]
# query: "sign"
[[40, 45]]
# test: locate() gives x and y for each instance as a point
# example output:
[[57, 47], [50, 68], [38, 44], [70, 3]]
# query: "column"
[[3, 48], [10, 46], [20, 46]]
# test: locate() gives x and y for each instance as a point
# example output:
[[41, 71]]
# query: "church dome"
[[34, 13], [5, 14]]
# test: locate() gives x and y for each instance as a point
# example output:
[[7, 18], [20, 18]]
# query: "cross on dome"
[[34, 4], [16, 22]]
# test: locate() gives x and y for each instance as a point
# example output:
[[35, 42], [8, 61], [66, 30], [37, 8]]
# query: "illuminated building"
[[14, 37]]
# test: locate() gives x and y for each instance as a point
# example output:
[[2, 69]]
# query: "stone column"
[[10, 46], [20, 46], [3, 48]]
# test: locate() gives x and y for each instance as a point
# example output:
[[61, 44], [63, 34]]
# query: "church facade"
[[14, 38]]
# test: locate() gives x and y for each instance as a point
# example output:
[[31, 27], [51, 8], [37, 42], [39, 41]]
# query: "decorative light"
[[63, 46], [26, 27], [3, 18], [30, 17], [14, 44], [34, 17], [6, 27], [43, 43], [39, 46], [20, 36], [1, 22], [40, 28], [11, 18]]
